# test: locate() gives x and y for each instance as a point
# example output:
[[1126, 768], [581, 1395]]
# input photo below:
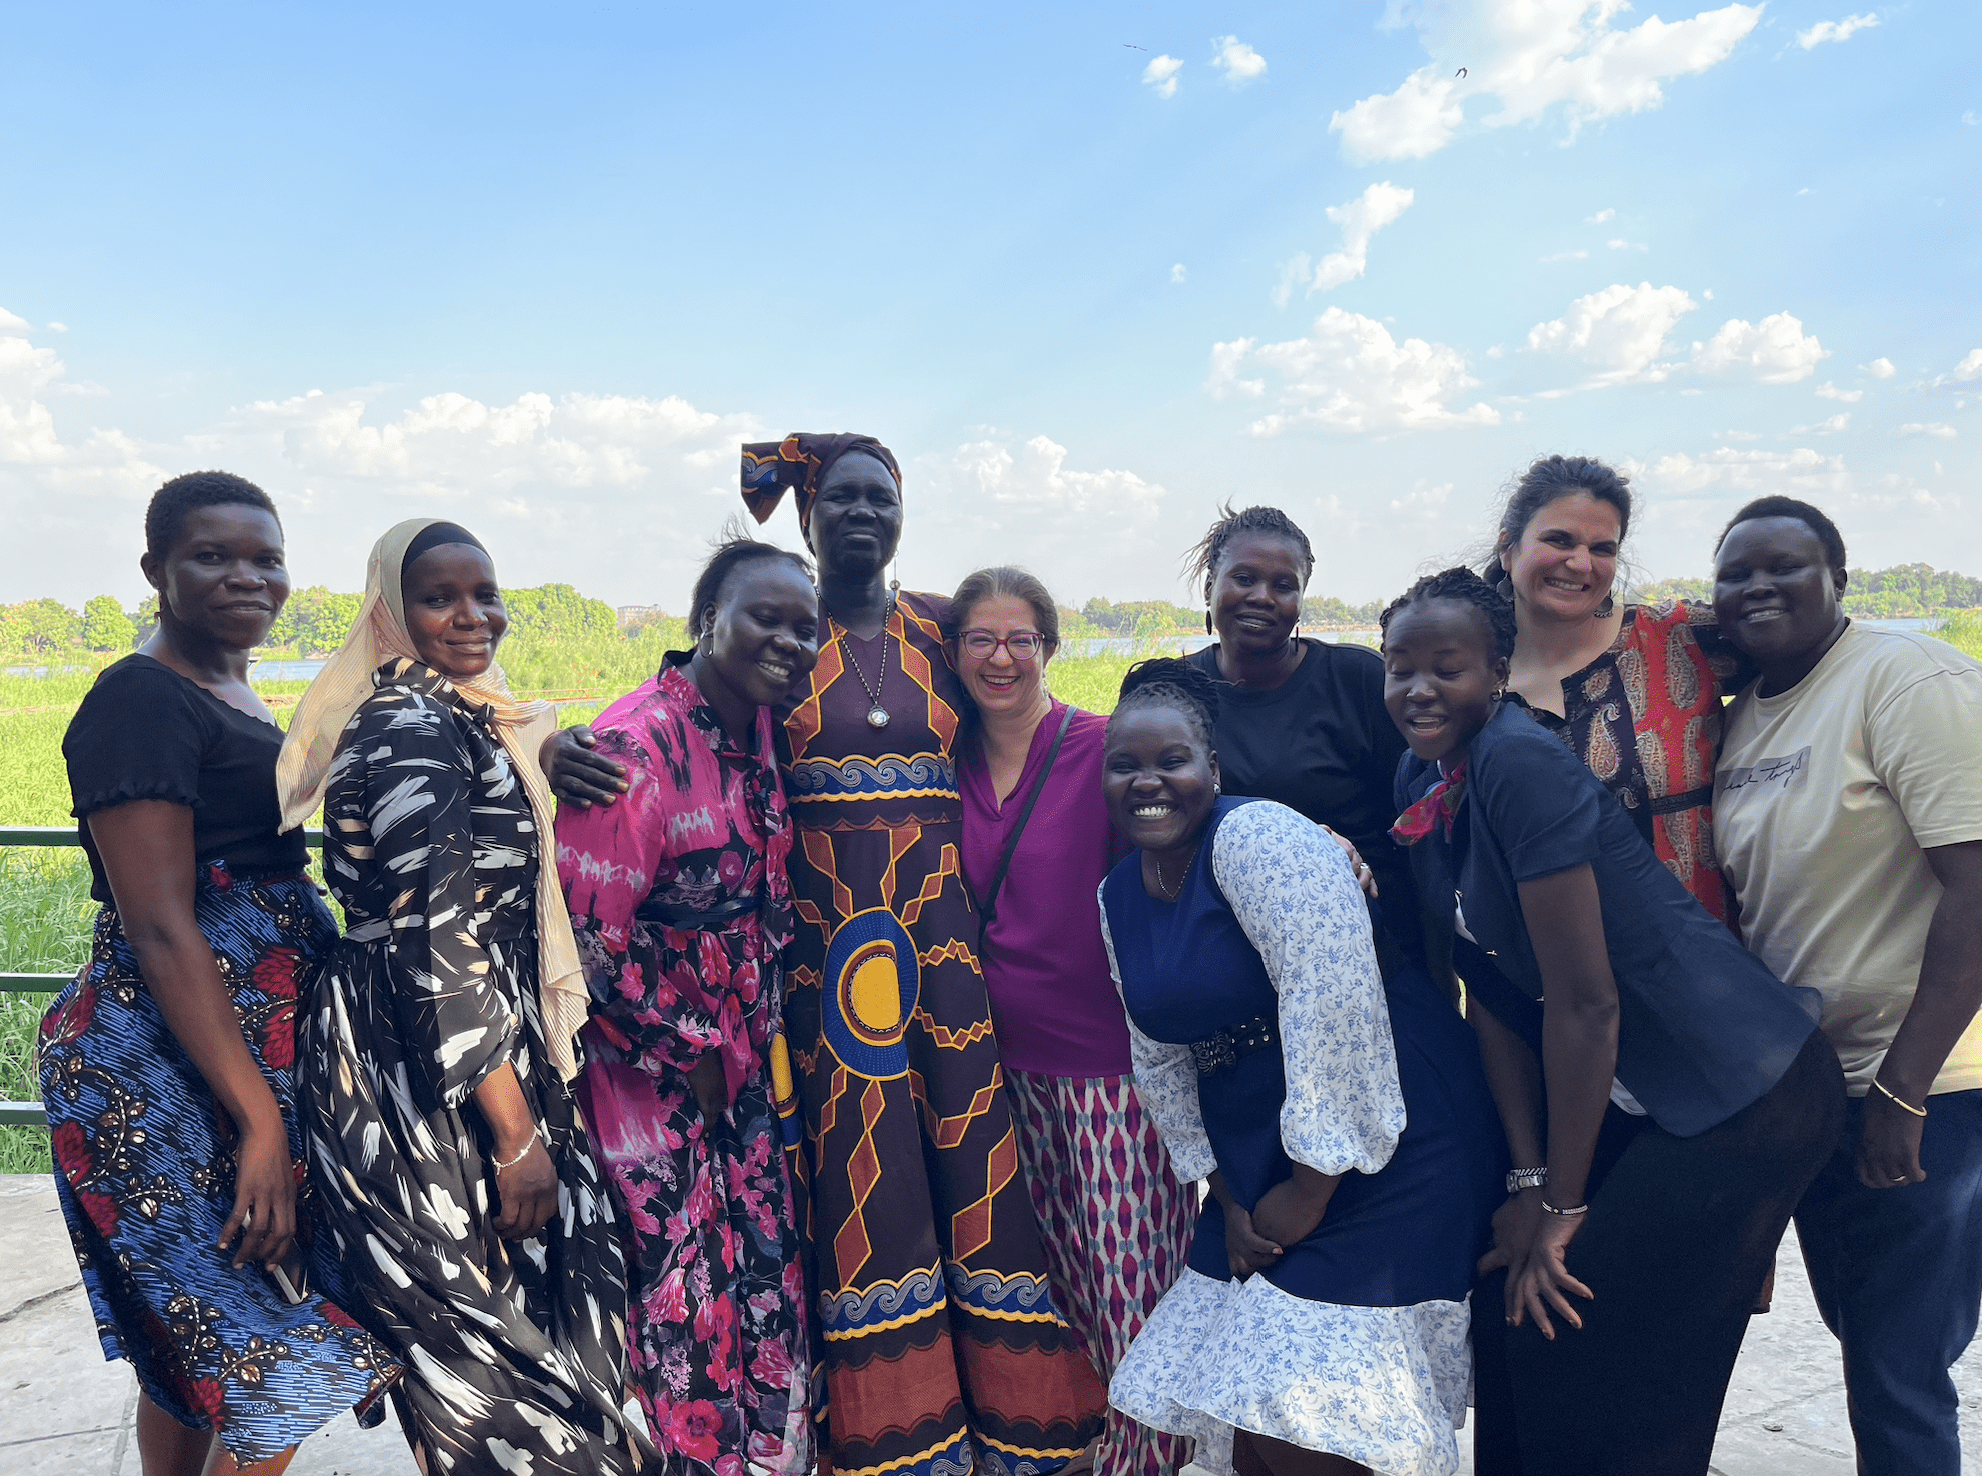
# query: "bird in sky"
[[1133, 47], [1461, 72]]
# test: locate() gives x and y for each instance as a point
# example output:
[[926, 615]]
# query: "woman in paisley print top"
[[462, 1189], [681, 903], [1634, 690]]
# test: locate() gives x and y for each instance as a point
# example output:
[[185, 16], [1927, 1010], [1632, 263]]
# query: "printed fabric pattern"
[[145, 1174], [937, 1345], [1645, 718], [717, 1328], [1117, 1229], [515, 1349]]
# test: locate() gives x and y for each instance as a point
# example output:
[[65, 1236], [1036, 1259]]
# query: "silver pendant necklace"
[[877, 715]]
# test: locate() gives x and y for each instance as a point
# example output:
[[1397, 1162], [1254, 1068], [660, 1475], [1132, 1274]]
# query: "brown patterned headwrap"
[[798, 464]]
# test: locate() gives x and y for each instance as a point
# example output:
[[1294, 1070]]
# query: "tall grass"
[[45, 921], [1963, 629]]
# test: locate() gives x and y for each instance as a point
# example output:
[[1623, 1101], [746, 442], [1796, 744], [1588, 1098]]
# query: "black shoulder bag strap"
[[987, 905]]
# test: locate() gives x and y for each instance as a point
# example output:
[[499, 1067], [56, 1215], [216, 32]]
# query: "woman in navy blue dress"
[[1666, 1098], [1343, 1123]]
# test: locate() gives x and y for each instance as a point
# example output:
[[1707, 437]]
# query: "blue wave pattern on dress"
[[145, 1173], [922, 775]]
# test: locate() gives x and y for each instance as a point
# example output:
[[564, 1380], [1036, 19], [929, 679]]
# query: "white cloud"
[[1620, 332], [1970, 119], [1828, 427], [1161, 73], [1879, 369], [1803, 470], [10, 323], [1970, 367], [1776, 350], [54, 327], [1566, 256], [1620, 244], [1177, 273], [1361, 218], [1829, 391], [1530, 58], [1600, 217], [1349, 374], [1238, 61], [1837, 30], [1937, 429]]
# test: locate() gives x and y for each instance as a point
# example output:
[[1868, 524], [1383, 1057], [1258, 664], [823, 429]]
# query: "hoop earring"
[[1607, 608]]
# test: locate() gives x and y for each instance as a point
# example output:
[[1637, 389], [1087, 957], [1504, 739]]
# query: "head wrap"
[[798, 464], [378, 635]]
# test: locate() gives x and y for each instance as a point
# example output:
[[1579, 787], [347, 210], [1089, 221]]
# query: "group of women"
[[844, 1053]]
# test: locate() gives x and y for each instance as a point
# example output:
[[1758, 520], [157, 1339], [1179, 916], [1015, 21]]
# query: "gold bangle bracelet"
[[1893, 1096]]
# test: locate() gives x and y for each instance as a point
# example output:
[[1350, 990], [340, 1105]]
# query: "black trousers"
[[1681, 1234]]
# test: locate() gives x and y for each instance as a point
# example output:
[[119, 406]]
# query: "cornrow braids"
[[1168, 681], [1788, 507], [1468, 588], [731, 554], [1201, 562]]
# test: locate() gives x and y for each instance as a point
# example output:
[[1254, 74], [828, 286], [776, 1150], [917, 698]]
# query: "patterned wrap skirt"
[[145, 1174]]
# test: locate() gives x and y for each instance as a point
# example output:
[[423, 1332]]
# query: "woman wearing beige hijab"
[[436, 1045]]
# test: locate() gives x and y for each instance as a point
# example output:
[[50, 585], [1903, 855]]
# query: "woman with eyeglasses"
[[1115, 1223]]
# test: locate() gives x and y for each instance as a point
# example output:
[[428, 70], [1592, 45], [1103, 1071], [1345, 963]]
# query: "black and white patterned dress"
[[514, 1351]]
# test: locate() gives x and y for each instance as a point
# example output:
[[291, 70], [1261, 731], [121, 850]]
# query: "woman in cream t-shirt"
[[1848, 819]]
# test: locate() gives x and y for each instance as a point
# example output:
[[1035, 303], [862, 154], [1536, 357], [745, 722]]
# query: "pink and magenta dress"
[[681, 903]]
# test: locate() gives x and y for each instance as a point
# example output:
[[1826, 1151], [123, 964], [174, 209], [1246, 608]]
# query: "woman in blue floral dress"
[[681, 904], [166, 1065]]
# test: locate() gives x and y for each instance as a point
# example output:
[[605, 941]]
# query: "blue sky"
[[541, 268]]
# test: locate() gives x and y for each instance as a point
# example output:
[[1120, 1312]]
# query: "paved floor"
[[67, 1411]]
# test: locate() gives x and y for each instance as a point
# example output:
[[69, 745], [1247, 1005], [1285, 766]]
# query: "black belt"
[[696, 919], [1691, 799], [1222, 1051]]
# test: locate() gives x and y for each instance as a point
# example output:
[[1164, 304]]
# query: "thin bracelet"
[[1581, 1209], [1892, 1096], [520, 1156]]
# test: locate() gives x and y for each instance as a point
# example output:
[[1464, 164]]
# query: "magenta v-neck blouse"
[[1053, 1003]]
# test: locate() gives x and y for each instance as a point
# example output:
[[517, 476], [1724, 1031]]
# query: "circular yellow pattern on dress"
[[876, 992]]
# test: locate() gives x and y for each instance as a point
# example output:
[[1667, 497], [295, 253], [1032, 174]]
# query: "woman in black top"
[[1301, 721], [166, 1064], [1666, 1099]]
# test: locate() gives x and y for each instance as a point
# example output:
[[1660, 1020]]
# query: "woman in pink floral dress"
[[681, 904]]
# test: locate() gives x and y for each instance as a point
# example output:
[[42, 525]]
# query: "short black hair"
[[1463, 585], [165, 515], [1201, 562], [1788, 507], [1547, 480], [732, 554], [1168, 681]]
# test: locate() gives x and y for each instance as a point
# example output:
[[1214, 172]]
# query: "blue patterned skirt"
[[145, 1172]]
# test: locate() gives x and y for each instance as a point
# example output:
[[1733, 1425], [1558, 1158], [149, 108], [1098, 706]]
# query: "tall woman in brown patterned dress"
[[940, 1345]]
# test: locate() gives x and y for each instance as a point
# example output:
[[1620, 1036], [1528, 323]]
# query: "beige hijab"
[[378, 635]]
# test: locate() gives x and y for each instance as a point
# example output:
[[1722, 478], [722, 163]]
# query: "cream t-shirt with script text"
[[1826, 799]]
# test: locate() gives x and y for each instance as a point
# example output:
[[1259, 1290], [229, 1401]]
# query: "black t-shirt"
[[145, 732], [1322, 743]]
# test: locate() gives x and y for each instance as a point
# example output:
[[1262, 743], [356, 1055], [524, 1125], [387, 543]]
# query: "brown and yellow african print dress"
[[937, 1336]]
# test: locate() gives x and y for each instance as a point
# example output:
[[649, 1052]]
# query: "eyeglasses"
[[1022, 645]]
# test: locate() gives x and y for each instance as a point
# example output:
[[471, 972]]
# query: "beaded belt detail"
[[1222, 1051]]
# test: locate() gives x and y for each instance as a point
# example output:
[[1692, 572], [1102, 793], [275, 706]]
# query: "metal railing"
[[32, 1114]]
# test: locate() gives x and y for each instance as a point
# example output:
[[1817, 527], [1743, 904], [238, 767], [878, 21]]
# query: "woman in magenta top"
[[1115, 1221], [681, 903]]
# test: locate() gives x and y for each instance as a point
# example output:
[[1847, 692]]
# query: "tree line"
[[316, 620]]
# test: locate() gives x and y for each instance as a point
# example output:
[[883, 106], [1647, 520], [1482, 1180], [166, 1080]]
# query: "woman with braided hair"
[[1666, 1099], [938, 1345], [1340, 1116]]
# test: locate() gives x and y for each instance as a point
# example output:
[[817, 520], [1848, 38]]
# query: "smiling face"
[[763, 630], [1255, 593], [454, 611], [224, 577], [1775, 594], [1000, 683], [1441, 675], [1565, 561], [1159, 776], [857, 517]]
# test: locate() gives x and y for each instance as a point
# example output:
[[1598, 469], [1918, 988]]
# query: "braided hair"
[[1169, 681], [1201, 562], [1788, 507], [1463, 585]]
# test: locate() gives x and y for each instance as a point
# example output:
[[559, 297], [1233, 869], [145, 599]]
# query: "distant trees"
[[39, 628], [559, 612], [315, 620], [105, 626]]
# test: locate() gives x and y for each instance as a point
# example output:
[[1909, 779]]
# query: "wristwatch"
[[1519, 1179]]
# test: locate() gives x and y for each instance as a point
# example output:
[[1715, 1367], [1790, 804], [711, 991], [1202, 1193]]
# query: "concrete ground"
[[68, 1413]]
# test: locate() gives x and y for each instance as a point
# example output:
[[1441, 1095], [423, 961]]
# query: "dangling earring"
[[1207, 621], [1607, 608]]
